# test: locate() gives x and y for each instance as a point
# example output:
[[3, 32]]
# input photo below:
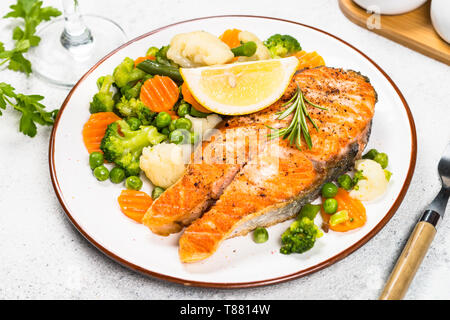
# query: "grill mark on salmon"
[[262, 194]]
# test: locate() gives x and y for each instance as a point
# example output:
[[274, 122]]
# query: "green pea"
[[260, 235], [133, 183], [101, 173], [176, 137], [117, 175], [172, 125], [382, 159], [152, 51], [198, 114], [183, 123], [329, 190], [194, 138], [330, 205], [370, 154], [163, 119], [309, 210], [179, 136], [96, 160], [157, 191], [345, 181], [165, 131], [184, 109], [339, 217], [134, 123]]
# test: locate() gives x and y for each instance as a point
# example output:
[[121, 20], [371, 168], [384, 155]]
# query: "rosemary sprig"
[[298, 125]]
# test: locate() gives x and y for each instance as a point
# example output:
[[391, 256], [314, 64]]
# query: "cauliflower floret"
[[262, 53], [203, 126], [374, 184], [198, 48], [163, 164]]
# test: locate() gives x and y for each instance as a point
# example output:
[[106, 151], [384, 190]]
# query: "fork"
[[420, 239]]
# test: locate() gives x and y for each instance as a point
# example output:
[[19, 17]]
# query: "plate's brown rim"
[[298, 274]]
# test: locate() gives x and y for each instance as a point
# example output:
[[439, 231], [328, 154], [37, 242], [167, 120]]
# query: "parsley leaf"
[[29, 105], [5, 91], [17, 61], [32, 13]]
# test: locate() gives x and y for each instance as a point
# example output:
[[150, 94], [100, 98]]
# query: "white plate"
[[92, 205]]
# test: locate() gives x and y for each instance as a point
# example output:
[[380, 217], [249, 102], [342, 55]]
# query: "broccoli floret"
[[300, 236], [100, 82], [126, 72], [123, 146], [135, 108], [152, 51], [282, 45], [103, 100], [133, 89], [161, 57]]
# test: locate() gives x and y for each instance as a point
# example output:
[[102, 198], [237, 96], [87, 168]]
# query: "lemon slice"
[[240, 88]]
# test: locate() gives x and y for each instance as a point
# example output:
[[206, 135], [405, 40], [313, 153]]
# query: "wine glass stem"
[[76, 35]]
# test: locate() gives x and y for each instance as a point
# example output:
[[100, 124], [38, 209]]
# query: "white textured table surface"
[[43, 256]]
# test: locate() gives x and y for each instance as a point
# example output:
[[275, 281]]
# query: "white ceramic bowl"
[[390, 6], [440, 17]]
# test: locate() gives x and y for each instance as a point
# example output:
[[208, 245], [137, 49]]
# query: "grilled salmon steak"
[[200, 186], [278, 179], [212, 168]]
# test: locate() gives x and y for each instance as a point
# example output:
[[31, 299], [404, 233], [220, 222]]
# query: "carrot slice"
[[94, 129], [189, 98], [173, 114], [134, 204], [140, 59], [309, 59], [231, 38], [356, 212], [159, 93]]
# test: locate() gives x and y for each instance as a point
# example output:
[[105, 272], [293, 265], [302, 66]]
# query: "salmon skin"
[[279, 179]]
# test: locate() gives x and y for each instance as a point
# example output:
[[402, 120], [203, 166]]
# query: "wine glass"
[[71, 45]]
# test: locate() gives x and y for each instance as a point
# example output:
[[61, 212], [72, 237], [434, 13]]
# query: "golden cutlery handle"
[[409, 261]]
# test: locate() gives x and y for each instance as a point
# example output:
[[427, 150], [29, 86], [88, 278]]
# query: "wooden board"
[[413, 29]]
